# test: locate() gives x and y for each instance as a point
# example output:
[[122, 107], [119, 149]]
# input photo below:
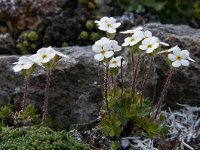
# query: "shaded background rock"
[[60, 23], [76, 98]]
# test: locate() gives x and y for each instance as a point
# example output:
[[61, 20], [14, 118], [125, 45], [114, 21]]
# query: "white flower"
[[115, 46], [132, 31], [44, 55], [147, 34], [134, 39], [179, 57], [103, 51], [23, 63], [116, 62], [108, 24], [149, 44]]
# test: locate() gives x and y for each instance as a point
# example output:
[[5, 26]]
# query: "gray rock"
[[6, 43]]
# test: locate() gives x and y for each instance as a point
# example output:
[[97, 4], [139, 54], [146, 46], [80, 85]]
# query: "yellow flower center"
[[179, 58], [44, 56], [149, 46], [108, 25], [103, 52], [114, 62], [132, 39]]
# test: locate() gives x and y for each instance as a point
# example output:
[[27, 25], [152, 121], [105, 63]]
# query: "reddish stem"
[[106, 91], [163, 93], [133, 70], [122, 80], [145, 82], [46, 98], [24, 103]]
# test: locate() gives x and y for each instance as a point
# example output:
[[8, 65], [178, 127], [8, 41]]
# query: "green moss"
[[94, 36], [27, 42], [89, 24], [84, 35], [38, 139], [33, 36]]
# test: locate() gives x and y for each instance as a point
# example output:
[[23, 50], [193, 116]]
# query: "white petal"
[[106, 47], [96, 48], [117, 48], [185, 62], [185, 54], [118, 58], [171, 57], [146, 41], [153, 40], [112, 65], [149, 50], [105, 40], [156, 45], [143, 47], [116, 25], [103, 27], [99, 57], [176, 63], [25, 59], [191, 59], [109, 54], [27, 66], [46, 60], [112, 20], [111, 30], [51, 55], [147, 34], [164, 44], [177, 51], [17, 68]]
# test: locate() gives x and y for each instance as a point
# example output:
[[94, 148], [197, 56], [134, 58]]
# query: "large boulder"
[[75, 96]]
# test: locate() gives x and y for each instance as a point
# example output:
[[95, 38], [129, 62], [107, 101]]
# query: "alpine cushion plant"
[[48, 59], [128, 109]]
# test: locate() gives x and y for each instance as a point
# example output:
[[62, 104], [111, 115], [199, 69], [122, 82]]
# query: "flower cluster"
[[41, 58], [142, 39], [47, 58], [123, 102], [105, 47]]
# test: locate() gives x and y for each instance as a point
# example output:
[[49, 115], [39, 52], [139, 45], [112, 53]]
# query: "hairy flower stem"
[[99, 78], [24, 103], [163, 93], [113, 86], [106, 92], [46, 98], [146, 79], [135, 73], [122, 80], [133, 70]]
